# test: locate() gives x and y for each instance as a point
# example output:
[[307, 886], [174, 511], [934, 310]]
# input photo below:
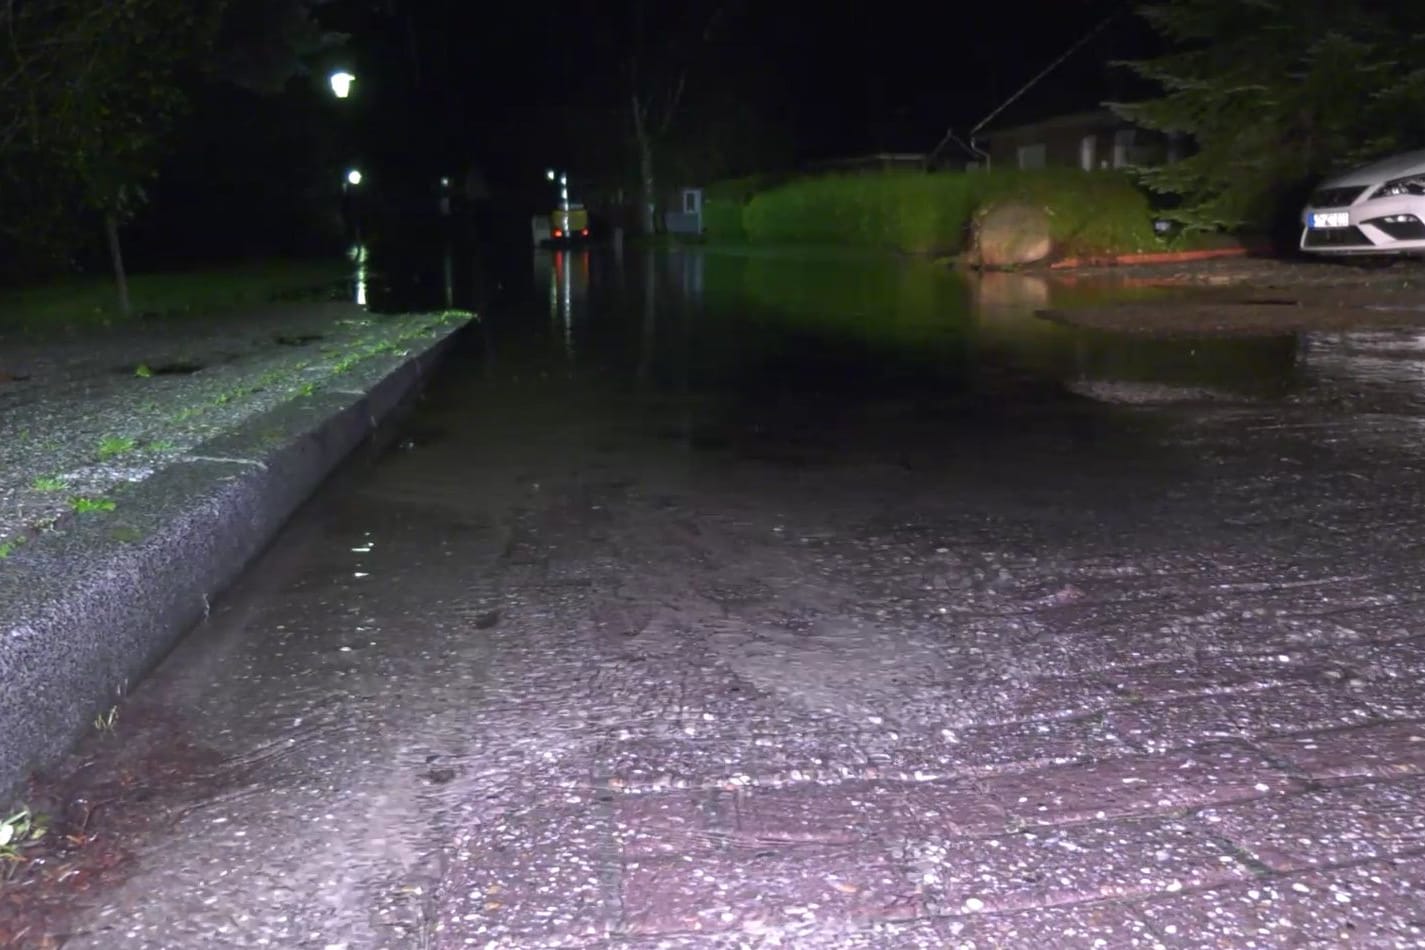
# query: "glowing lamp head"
[[353, 177], [341, 83]]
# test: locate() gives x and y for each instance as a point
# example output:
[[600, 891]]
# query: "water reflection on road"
[[867, 323]]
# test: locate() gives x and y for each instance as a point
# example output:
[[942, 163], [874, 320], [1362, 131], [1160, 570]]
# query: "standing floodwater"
[[814, 600]]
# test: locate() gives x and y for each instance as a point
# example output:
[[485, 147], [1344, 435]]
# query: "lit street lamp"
[[341, 83], [353, 177]]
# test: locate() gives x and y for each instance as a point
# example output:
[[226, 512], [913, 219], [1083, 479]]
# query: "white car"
[[1378, 209]]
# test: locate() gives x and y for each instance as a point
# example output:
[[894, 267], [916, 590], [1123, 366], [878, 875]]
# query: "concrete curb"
[[88, 609]]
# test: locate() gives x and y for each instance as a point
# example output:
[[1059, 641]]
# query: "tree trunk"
[[650, 316], [647, 188], [648, 193], [116, 255]]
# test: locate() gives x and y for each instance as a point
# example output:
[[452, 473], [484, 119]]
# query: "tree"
[[668, 43], [262, 44], [89, 91], [1274, 93]]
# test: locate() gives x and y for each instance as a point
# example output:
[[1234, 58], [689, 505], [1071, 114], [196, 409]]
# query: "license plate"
[[1331, 219]]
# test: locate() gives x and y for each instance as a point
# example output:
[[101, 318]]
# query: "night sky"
[[509, 83]]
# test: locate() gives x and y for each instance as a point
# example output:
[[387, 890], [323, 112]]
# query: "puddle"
[[298, 339], [856, 326], [170, 368]]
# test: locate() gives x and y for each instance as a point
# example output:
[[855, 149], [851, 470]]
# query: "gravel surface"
[[78, 417]]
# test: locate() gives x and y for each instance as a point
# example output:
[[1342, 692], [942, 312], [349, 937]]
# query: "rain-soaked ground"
[[687, 611]]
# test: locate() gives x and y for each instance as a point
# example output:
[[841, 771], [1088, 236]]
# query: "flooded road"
[[750, 600]]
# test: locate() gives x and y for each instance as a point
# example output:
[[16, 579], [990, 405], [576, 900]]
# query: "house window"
[[1031, 156], [1088, 153], [691, 201], [1123, 148]]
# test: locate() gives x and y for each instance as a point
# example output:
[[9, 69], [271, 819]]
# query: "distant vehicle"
[[1377, 209], [561, 226], [569, 224]]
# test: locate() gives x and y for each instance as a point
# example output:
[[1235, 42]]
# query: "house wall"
[[1086, 145]]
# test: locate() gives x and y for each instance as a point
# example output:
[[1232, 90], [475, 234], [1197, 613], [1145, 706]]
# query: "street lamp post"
[[351, 205], [563, 178]]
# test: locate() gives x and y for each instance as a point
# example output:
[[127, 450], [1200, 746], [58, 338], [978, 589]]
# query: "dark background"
[[506, 90]]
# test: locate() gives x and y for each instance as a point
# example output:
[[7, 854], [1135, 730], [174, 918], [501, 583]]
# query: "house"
[[1090, 141]]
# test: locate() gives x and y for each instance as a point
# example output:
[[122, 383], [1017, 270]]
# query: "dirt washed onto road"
[[1256, 297]]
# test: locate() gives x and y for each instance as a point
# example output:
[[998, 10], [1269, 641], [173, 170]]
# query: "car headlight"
[[1409, 185]]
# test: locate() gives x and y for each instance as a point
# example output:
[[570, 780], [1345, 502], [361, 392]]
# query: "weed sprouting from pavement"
[[115, 445], [186, 413], [86, 505], [20, 831], [47, 483], [104, 722]]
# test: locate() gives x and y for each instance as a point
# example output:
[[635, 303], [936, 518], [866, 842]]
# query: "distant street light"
[[341, 83], [353, 177], [563, 179]]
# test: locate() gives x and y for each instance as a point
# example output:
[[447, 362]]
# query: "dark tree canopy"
[[1275, 93], [88, 94]]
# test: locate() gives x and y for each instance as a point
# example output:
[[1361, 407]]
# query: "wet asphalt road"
[[659, 629]]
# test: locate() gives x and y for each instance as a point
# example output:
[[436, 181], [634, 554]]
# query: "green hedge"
[[1092, 212], [722, 219], [725, 201]]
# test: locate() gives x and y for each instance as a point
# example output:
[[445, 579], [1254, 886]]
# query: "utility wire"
[[1083, 41]]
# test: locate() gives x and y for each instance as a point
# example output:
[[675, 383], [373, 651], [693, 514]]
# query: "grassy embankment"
[[90, 302]]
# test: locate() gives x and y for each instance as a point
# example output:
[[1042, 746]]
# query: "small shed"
[[688, 219]]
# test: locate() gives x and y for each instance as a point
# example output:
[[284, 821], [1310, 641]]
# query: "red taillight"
[[558, 233], [585, 232]]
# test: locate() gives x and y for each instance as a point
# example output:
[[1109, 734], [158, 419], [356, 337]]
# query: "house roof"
[[1096, 118]]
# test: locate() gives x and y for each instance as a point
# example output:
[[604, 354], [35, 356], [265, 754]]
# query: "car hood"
[[1397, 166]]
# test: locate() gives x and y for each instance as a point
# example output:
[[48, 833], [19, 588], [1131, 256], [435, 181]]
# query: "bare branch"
[[670, 107]]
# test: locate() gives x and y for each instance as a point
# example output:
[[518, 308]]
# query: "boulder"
[[1009, 234]]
